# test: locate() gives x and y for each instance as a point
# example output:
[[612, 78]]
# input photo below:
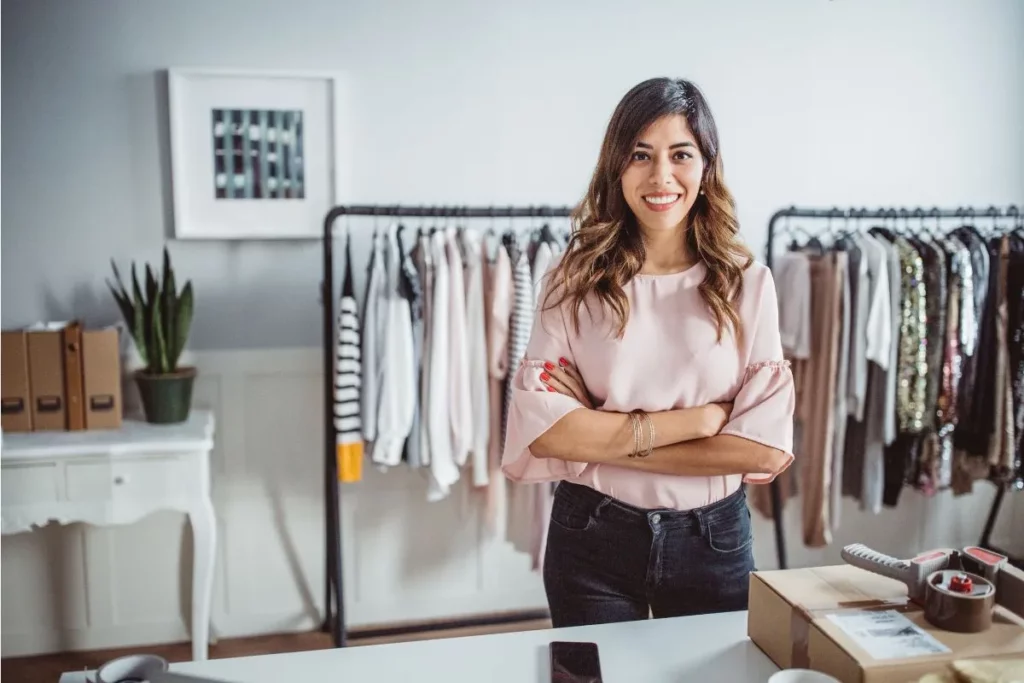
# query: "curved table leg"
[[204, 551]]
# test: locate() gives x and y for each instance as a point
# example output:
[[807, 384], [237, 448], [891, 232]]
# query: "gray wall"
[[818, 102]]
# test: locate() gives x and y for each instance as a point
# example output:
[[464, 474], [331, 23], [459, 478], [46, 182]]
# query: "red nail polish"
[[549, 366], [551, 389], [563, 362], [545, 376]]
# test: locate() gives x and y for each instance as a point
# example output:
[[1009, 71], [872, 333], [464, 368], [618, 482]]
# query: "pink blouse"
[[668, 358]]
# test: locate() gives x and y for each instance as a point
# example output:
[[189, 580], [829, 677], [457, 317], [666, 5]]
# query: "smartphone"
[[575, 663]]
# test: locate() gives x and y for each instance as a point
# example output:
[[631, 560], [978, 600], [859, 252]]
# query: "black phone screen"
[[575, 663]]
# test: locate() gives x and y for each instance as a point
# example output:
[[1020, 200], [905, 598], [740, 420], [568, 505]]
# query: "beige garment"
[[498, 311], [828, 273], [1000, 446]]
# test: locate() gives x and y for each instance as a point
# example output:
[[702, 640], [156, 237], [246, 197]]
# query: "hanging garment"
[[857, 360], [476, 356], [873, 334], [1001, 440], [959, 307], [979, 285], [348, 382], [460, 411], [937, 288], [524, 526], [398, 389], [840, 398], [880, 418], [522, 314], [423, 257], [374, 332], [913, 359], [499, 312], [792, 274], [828, 274], [1015, 334], [444, 473], [411, 289], [541, 262]]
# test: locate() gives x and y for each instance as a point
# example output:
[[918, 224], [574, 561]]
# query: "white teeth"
[[663, 199]]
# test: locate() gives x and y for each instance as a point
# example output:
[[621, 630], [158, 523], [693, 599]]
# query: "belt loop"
[[701, 522], [601, 506]]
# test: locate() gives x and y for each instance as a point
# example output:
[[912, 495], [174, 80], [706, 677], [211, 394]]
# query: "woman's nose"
[[661, 173]]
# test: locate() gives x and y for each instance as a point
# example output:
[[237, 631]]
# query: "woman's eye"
[[683, 156], [640, 156]]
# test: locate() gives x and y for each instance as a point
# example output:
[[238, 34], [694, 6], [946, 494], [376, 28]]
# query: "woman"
[[654, 382]]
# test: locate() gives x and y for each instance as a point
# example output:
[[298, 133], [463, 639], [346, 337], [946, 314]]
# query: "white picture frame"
[[256, 154]]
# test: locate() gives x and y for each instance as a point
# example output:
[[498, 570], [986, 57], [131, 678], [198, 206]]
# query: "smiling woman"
[[654, 383]]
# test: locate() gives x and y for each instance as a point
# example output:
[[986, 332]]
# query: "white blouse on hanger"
[[398, 390]]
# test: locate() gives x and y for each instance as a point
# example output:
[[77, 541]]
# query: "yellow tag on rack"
[[350, 461]]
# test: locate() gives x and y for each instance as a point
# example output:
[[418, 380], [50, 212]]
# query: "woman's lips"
[[661, 202]]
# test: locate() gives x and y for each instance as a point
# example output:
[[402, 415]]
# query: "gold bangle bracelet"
[[634, 421], [650, 435]]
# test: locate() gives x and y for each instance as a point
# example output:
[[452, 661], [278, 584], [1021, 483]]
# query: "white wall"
[[819, 102], [80, 587]]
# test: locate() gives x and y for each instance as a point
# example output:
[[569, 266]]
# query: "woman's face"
[[663, 176]]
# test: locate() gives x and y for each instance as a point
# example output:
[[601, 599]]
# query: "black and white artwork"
[[257, 153]]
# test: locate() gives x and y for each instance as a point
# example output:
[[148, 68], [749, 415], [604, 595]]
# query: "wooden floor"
[[48, 668]]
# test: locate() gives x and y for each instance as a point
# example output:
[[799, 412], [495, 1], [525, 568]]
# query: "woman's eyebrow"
[[645, 145]]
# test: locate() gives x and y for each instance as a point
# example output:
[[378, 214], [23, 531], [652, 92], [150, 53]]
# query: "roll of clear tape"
[[959, 601]]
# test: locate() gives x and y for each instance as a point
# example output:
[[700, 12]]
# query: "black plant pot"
[[166, 398]]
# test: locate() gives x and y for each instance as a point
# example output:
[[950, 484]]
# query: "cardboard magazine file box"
[[46, 374], [101, 365], [14, 376], [860, 627]]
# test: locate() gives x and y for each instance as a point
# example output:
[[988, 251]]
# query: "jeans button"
[[656, 518]]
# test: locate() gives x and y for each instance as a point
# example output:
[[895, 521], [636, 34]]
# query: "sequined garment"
[[912, 388], [959, 325], [936, 287]]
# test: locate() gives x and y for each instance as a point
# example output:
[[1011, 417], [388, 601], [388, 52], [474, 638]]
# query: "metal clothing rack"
[[903, 213], [334, 613]]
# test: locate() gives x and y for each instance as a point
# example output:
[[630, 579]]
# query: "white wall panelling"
[[79, 587]]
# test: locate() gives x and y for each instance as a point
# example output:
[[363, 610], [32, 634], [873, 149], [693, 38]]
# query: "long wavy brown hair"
[[606, 250]]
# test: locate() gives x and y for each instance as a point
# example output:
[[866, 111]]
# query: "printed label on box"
[[887, 634]]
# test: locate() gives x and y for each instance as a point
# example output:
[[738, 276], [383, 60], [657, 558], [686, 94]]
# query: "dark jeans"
[[607, 561]]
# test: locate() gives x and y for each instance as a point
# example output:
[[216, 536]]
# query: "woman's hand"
[[716, 416], [565, 379]]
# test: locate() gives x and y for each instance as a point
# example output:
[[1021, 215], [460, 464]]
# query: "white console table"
[[108, 477]]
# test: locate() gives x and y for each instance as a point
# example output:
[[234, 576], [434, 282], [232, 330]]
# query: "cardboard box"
[[101, 367], [861, 628], [16, 389]]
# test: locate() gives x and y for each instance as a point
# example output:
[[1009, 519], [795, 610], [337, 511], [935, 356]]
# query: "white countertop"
[[706, 648]]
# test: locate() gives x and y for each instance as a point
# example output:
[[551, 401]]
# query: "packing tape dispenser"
[[957, 588]]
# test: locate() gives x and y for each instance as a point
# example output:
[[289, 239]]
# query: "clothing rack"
[[334, 614], [963, 213]]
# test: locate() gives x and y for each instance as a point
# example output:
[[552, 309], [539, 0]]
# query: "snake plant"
[[158, 316]]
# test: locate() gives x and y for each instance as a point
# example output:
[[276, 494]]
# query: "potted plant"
[[158, 318]]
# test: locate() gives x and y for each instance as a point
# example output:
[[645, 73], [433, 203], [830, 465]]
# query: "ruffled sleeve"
[[763, 408], [533, 409]]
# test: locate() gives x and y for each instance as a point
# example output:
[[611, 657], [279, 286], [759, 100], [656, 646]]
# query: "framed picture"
[[256, 154]]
